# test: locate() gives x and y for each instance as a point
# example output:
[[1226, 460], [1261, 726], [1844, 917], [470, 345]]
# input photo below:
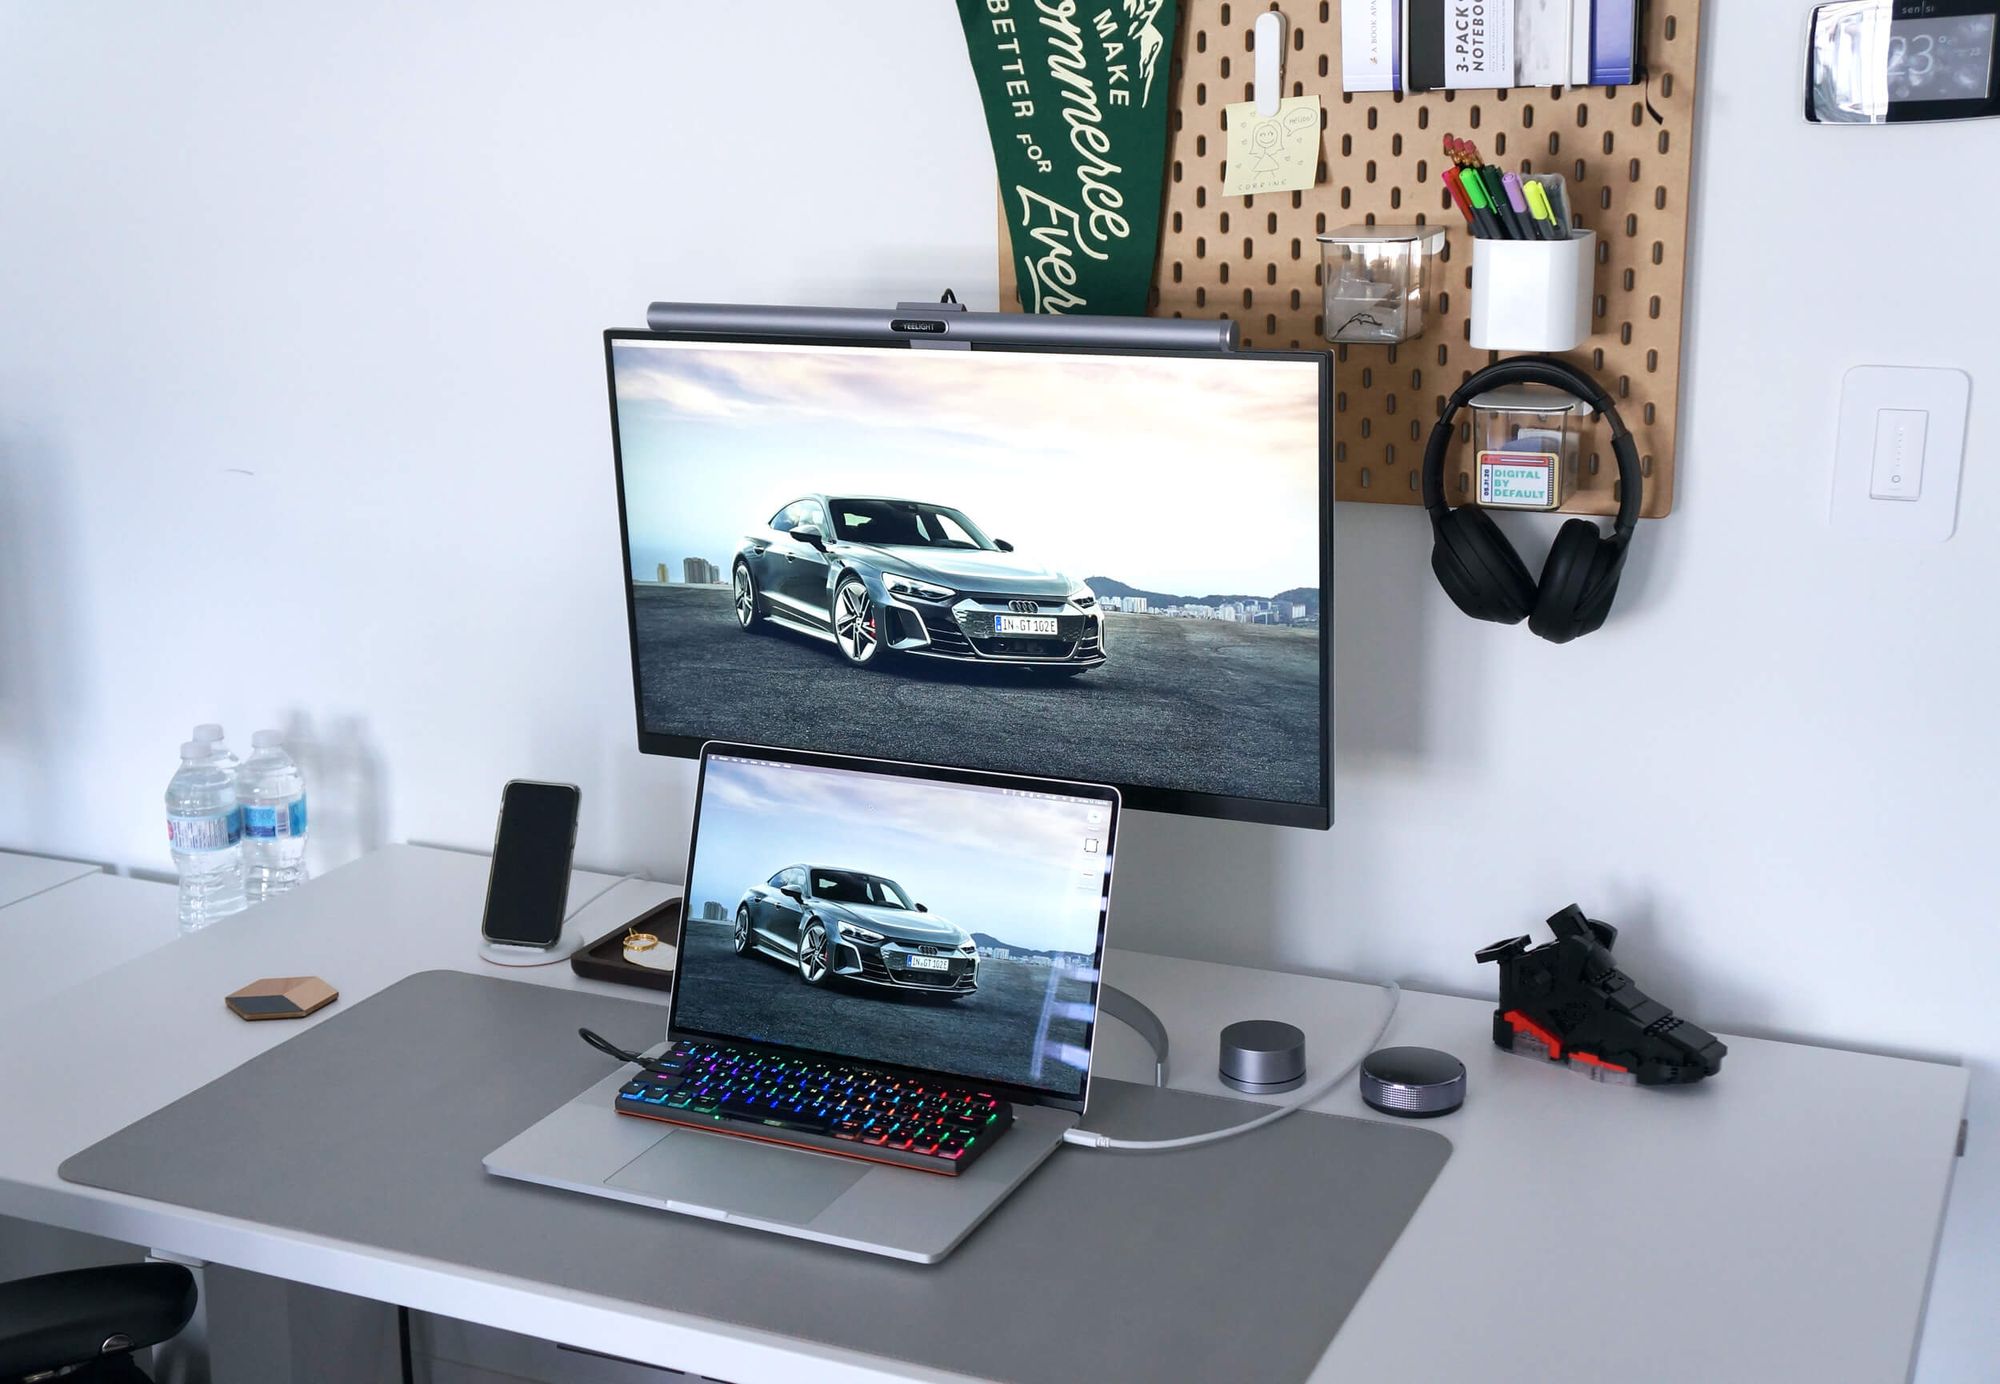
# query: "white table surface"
[[1777, 1222], [24, 876], [78, 930]]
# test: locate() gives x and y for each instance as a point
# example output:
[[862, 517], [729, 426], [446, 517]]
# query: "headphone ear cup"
[[1479, 569], [1578, 583]]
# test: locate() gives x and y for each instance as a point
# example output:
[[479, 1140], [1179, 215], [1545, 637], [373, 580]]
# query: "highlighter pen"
[[1496, 194], [1558, 194], [1545, 217], [1475, 193], [1517, 202], [1450, 180]]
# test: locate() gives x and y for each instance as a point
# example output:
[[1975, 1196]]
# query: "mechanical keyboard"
[[860, 1112]]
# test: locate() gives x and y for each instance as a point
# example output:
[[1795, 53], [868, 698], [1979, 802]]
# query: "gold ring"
[[636, 940]]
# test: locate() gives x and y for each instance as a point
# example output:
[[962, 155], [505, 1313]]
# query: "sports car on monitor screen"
[[874, 575], [855, 925]]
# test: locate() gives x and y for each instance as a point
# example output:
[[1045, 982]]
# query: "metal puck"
[[1415, 1083], [1261, 1056]]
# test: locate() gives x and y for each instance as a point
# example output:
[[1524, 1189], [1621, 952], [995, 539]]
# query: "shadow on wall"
[[37, 624], [1384, 604], [1190, 886], [1658, 956], [347, 791]]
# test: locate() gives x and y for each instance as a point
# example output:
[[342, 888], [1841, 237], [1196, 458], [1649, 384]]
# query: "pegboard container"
[[1533, 295], [1624, 153], [1377, 282], [1529, 438]]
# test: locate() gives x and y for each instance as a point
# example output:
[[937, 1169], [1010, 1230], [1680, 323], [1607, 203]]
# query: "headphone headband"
[[1559, 374]]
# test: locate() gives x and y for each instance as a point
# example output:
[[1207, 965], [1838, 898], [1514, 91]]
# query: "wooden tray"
[[604, 959]]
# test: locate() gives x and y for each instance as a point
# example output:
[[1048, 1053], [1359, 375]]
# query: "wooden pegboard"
[[1257, 259]]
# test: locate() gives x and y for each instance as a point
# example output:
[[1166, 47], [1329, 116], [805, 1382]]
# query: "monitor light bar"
[[945, 324]]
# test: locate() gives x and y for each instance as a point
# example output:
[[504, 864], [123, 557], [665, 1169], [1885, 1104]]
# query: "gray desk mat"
[[1237, 1260]]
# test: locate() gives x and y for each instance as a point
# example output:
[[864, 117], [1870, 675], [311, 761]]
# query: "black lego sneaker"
[[1567, 1001]]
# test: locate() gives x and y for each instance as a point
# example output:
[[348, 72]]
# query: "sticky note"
[[1278, 153]]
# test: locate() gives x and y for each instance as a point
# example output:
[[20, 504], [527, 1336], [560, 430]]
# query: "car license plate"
[[927, 963], [1024, 624]]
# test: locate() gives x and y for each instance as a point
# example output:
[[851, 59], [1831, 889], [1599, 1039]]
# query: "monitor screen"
[[1094, 565], [900, 917]]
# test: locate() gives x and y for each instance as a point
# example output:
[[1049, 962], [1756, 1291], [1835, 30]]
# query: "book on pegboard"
[[1453, 45]]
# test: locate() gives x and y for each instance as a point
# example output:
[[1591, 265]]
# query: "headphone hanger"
[[1481, 570]]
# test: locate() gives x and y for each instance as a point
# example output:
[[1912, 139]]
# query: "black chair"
[[81, 1327]]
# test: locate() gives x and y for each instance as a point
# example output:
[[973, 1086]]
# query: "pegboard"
[[1257, 259]]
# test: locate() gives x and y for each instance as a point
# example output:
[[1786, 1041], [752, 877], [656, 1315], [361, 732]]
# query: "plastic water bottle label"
[[274, 821], [193, 834]]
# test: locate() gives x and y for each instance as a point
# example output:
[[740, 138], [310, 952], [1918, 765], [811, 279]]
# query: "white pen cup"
[[1533, 295]]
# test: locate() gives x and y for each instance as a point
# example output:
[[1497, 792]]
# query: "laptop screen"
[[943, 920]]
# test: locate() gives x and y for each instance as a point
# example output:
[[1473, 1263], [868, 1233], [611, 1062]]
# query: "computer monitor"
[[1095, 564]]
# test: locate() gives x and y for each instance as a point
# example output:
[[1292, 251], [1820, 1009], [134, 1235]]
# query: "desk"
[[68, 924], [78, 930], [24, 876], [1777, 1223]]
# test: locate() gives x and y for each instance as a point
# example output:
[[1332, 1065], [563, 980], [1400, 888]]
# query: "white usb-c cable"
[[1090, 1139], [567, 917]]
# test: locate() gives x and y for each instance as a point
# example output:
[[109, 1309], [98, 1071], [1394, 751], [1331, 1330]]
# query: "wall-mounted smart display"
[[1876, 62]]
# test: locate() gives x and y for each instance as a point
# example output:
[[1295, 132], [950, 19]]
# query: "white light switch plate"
[[1902, 445]]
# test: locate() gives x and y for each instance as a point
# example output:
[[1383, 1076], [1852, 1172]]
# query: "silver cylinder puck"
[[1416, 1083], [1261, 1056]]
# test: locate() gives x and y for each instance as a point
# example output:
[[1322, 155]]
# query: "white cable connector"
[[1091, 1139], [1087, 1138]]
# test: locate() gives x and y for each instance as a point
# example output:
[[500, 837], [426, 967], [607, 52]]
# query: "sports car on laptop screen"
[[895, 920]]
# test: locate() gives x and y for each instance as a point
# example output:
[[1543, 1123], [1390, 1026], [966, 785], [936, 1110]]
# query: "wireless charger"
[[503, 954], [572, 940]]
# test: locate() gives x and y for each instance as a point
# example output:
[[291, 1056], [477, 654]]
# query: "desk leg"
[[184, 1360]]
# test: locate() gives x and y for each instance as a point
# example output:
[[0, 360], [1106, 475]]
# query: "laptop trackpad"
[[739, 1176]]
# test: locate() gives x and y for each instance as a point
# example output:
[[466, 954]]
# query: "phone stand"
[[501, 954]]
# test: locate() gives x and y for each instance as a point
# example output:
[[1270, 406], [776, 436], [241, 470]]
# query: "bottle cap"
[[207, 731], [194, 749], [267, 740]]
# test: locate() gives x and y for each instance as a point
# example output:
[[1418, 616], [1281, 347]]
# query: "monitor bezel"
[[1138, 796], [933, 773]]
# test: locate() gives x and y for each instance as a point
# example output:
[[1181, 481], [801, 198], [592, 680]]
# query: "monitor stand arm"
[[1136, 1016]]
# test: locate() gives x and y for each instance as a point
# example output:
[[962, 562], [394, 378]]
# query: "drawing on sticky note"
[[1278, 153], [1267, 140]]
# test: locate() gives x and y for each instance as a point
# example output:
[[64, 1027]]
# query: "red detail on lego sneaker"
[[1523, 1024], [1593, 1060]]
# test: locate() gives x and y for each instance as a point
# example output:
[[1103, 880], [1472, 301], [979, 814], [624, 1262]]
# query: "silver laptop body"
[[1022, 866]]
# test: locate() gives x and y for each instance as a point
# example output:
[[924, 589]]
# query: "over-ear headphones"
[[1479, 568]]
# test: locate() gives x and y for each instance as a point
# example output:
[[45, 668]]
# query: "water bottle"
[[273, 794], [209, 735], [201, 830]]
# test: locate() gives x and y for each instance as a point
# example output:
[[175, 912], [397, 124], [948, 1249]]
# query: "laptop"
[[884, 1006]]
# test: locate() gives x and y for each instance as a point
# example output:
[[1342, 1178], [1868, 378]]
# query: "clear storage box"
[[1378, 282], [1529, 439]]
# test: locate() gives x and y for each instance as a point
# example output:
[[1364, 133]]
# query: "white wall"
[[302, 421]]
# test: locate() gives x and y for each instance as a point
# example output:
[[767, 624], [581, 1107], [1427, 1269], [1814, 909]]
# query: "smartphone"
[[527, 890]]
